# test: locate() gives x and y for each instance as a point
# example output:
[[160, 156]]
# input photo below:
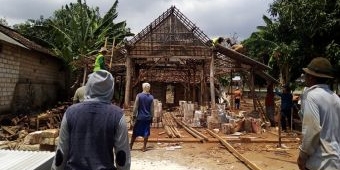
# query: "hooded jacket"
[[94, 132]]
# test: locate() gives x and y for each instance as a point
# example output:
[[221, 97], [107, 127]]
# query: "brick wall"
[[28, 80], [9, 76]]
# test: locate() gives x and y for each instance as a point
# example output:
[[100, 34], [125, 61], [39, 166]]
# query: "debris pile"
[[32, 131]]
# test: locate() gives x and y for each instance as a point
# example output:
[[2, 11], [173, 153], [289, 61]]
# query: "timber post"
[[128, 82], [212, 86]]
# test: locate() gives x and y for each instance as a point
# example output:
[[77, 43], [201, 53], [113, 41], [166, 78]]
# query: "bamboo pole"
[[212, 140], [197, 132], [176, 132], [84, 76], [169, 131], [193, 133], [234, 152], [112, 50], [280, 129], [169, 123], [105, 44], [212, 86], [190, 131], [202, 87], [128, 82]]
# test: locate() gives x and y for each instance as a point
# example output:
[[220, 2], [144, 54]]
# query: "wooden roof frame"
[[175, 44], [172, 49]]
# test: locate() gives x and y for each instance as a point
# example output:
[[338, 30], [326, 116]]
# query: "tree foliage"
[[3, 21], [297, 32], [76, 30]]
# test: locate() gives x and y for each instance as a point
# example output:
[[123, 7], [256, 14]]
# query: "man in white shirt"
[[320, 147]]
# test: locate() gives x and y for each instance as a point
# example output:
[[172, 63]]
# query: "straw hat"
[[103, 49], [319, 67]]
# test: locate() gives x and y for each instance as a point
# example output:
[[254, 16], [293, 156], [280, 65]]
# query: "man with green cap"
[[320, 147]]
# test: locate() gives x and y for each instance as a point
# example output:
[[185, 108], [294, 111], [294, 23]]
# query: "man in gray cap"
[[320, 147], [94, 133]]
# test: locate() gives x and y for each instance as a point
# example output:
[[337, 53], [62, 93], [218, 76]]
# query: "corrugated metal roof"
[[25, 160], [10, 40]]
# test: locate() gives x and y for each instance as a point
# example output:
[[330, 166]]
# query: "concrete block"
[[33, 138], [47, 141], [50, 133]]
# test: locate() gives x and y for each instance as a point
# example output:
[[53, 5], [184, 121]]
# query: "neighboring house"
[[31, 77]]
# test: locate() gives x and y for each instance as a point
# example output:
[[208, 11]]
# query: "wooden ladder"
[[257, 103]]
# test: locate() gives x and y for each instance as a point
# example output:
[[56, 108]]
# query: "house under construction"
[[177, 58]]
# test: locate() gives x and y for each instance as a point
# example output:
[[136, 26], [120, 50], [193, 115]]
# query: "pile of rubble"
[[32, 132], [221, 119]]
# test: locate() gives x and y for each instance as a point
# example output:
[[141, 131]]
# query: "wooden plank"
[[174, 57], [190, 131], [240, 57], [238, 140], [170, 140], [7, 129], [234, 151], [197, 132]]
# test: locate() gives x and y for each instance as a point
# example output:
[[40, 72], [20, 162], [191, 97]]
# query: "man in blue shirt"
[[143, 112], [286, 106]]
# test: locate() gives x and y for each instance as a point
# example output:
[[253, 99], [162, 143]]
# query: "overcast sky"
[[213, 17]]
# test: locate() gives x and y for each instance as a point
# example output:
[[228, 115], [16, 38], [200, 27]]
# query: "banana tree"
[[283, 57], [80, 31], [281, 52]]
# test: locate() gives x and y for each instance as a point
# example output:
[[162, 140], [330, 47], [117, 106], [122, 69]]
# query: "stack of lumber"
[[170, 126]]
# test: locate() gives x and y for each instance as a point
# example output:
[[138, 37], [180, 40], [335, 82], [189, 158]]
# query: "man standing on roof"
[[217, 40], [320, 146], [228, 42], [100, 60]]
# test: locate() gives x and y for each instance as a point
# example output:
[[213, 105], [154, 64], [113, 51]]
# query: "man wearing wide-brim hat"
[[320, 147], [100, 60]]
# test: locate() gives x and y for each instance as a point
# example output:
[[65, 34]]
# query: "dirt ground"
[[213, 155]]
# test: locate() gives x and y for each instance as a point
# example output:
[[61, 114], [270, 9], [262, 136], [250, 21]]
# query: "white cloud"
[[213, 17]]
